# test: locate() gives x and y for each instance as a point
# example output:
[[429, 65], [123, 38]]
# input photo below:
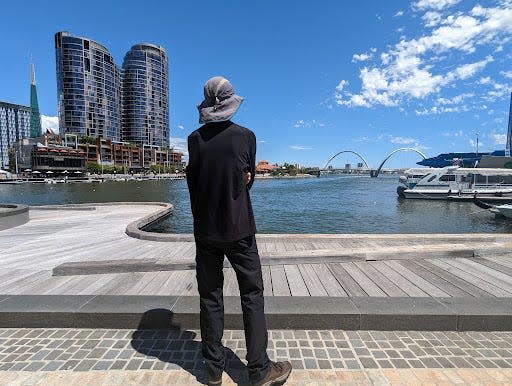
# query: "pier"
[[72, 260]]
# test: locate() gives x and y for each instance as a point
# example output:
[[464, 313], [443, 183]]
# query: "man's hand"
[[247, 178]]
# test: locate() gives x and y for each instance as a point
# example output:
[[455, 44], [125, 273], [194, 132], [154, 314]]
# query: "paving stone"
[[85, 364], [102, 365], [52, 366]]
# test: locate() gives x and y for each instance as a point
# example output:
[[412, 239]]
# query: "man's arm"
[[190, 170], [252, 160]]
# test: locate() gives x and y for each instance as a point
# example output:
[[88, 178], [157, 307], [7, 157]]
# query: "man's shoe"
[[214, 381], [277, 375]]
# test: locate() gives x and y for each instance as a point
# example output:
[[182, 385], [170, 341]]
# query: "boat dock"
[[69, 264]]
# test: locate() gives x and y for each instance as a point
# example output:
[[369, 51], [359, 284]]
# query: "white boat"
[[456, 183], [505, 210], [411, 176]]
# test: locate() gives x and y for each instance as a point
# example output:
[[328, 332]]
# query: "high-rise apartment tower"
[[88, 88], [146, 96]]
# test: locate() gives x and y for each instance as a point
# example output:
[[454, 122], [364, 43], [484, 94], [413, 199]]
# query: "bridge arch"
[[376, 172], [345, 151]]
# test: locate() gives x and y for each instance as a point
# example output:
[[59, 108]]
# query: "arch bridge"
[[345, 151], [373, 173]]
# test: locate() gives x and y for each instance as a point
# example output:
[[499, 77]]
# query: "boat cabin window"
[[447, 177], [417, 176], [432, 178]]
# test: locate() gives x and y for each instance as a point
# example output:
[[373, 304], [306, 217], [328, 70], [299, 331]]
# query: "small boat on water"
[[504, 210], [458, 184]]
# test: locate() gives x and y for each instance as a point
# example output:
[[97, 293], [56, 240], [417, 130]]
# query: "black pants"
[[244, 258]]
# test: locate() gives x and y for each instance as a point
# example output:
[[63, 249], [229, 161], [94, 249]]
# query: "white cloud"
[[432, 18], [403, 140], [472, 143], [341, 85], [308, 124], [262, 141], [499, 139], [454, 100], [181, 127], [300, 147], [434, 4], [179, 144], [49, 123], [361, 57], [506, 74], [422, 66], [398, 14]]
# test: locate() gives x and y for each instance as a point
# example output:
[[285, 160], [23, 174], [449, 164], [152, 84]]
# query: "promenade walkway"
[[85, 251], [84, 302]]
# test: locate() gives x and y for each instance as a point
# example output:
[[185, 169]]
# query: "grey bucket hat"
[[220, 102]]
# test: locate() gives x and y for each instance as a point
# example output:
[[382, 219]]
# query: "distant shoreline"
[[264, 177]]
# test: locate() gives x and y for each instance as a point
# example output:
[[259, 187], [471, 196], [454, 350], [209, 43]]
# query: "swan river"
[[329, 204]]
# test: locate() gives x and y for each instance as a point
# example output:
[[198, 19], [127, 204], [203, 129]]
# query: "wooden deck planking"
[[506, 261], [230, 283], [381, 280], [351, 286], [438, 281], [422, 283], [497, 278], [492, 264], [311, 280], [121, 283], [295, 281], [267, 281], [364, 281], [475, 280], [279, 282], [459, 282], [19, 286], [331, 285], [394, 276]]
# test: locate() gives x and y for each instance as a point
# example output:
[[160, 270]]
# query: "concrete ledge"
[[131, 312], [299, 257], [13, 215]]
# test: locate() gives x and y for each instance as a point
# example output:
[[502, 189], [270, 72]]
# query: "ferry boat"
[[459, 184]]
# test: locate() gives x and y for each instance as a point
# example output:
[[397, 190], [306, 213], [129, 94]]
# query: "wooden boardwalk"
[[29, 253]]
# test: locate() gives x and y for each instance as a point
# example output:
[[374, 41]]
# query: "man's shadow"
[[159, 337]]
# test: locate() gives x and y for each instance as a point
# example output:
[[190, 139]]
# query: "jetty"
[[97, 266]]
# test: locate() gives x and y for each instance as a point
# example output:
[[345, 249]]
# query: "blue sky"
[[318, 77]]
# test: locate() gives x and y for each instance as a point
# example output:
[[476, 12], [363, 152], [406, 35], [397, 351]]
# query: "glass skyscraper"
[[88, 88], [14, 126], [97, 98], [146, 96]]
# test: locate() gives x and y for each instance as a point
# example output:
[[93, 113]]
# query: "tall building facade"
[[97, 98], [88, 88], [508, 146], [35, 117], [146, 96], [14, 126]]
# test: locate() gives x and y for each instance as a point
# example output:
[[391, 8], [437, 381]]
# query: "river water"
[[334, 204]]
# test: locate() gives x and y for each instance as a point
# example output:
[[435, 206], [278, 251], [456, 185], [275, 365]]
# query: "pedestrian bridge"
[[373, 172]]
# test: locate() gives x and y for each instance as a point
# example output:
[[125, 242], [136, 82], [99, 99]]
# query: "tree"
[[11, 153]]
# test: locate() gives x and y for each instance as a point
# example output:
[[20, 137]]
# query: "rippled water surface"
[[339, 204]]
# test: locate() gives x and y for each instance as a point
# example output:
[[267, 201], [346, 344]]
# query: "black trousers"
[[244, 258]]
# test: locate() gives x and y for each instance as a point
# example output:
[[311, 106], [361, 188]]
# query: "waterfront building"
[[14, 126], [264, 167], [145, 119], [88, 88], [35, 117]]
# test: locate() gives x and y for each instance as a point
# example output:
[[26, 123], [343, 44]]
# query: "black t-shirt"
[[220, 155]]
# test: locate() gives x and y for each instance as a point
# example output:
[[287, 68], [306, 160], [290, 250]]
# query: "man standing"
[[220, 173]]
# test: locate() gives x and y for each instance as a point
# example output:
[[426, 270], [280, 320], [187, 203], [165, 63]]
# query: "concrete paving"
[[118, 357]]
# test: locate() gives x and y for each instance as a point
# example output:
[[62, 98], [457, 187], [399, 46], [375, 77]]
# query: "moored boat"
[[460, 184]]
